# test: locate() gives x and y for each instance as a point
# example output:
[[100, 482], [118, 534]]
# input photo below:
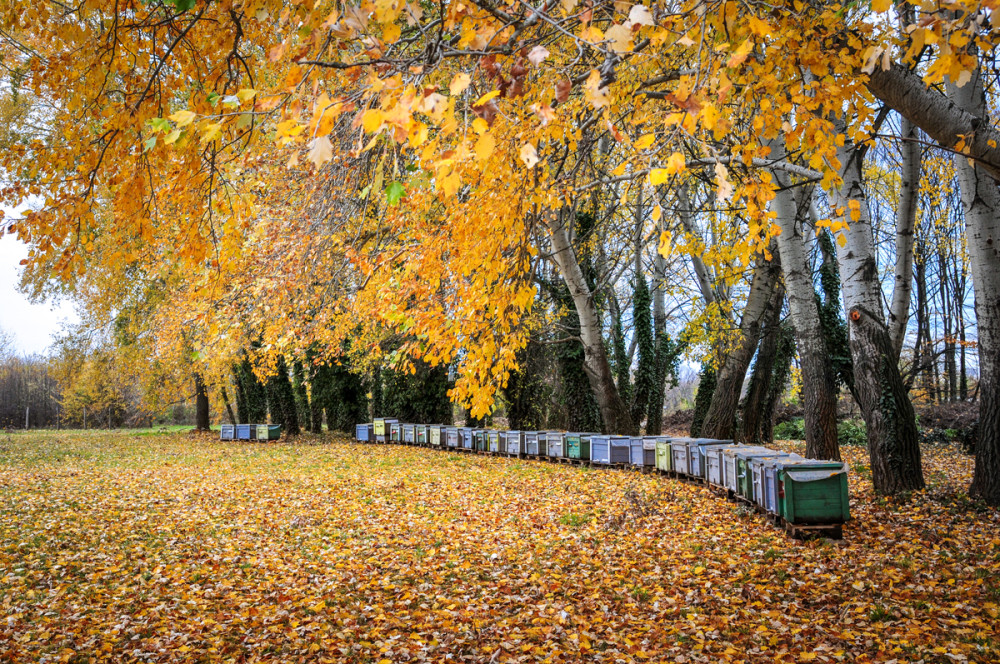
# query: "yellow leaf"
[[484, 147], [459, 83], [658, 176], [675, 163], [881, 6], [183, 118], [529, 155], [620, 37], [644, 142], [172, 136], [211, 132], [595, 94], [246, 94], [486, 97], [372, 120]]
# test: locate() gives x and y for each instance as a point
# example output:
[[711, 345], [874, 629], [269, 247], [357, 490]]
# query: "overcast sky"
[[31, 324]]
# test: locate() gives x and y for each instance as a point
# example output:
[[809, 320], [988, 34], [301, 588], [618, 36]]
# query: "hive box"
[[642, 452], [679, 455], [813, 492], [555, 442], [513, 443], [364, 432], [268, 431], [228, 432]]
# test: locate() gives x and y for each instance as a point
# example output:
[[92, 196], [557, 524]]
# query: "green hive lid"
[[814, 475]]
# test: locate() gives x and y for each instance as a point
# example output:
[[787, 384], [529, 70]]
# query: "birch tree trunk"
[[818, 382], [906, 218], [721, 416], [891, 426], [981, 201], [614, 412]]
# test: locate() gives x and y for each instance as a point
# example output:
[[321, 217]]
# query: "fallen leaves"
[[170, 548]]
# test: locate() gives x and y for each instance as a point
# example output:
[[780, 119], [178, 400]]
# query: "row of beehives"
[[259, 432], [786, 486]]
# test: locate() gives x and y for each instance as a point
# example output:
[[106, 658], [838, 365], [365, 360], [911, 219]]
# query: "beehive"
[[228, 432], [555, 443], [434, 432], [715, 464], [395, 432], [663, 459], [679, 455], [531, 443], [420, 434], [642, 452], [409, 434], [493, 440], [268, 431], [451, 437], [578, 445], [600, 449], [813, 493]]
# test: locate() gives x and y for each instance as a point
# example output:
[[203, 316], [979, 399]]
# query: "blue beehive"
[[641, 452], [600, 449], [228, 432], [245, 431], [364, 432], [451, 437], [467, 440], [493, 441], [409, 433]]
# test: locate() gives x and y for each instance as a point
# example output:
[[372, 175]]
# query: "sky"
[[32, 325]]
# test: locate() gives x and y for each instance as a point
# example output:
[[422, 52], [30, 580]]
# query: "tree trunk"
[[906, 217], [229, 406], [981, 201], [818, 382], [201, 418], [614, 412], [721, 416], [891, 425], [755, 404], [654, 418]]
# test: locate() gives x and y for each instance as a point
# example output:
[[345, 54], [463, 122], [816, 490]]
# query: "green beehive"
[[744, 478], [479, 441], [268, 431], [420, 434], [813, 493], [664, 461], [578, 446], [435, 434]]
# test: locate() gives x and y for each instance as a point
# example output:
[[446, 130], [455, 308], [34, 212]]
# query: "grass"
[[146, 547]]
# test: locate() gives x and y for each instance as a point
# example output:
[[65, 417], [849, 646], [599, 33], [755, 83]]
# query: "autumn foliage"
[[123, 547]]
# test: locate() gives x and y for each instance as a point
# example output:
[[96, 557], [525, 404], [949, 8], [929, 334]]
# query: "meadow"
[[173, 547]]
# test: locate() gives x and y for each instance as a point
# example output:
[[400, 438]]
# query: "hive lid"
[[815, 475]]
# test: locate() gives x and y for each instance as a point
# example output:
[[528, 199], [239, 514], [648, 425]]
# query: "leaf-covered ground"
[[121, 547]]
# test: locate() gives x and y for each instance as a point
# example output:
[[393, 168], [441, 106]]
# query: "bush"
[[852, 432], [849, 432], [791, 430]]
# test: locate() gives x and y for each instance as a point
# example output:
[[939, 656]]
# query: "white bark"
[[981, 201], [906, 217]]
